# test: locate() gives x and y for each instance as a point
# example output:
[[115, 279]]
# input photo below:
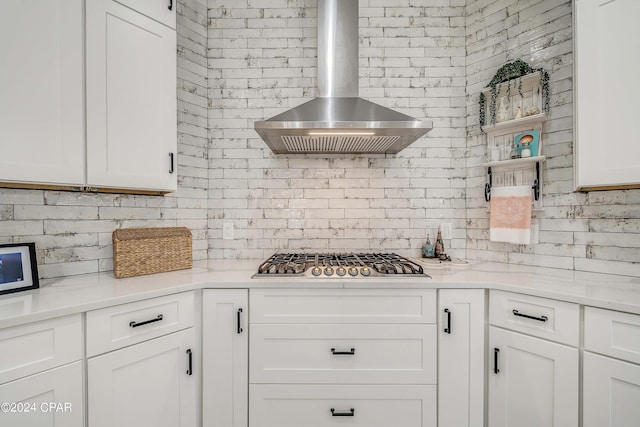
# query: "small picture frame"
[[18, 267], [530, 140]]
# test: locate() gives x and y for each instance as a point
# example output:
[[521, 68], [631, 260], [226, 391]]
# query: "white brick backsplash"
[[246, 60]]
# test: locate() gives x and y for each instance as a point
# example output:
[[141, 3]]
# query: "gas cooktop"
[[339, 265]]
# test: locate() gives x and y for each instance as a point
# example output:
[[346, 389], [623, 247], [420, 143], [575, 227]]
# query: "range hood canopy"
[[338, 121]]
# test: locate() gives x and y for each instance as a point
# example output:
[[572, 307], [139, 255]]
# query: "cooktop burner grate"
[[347, 265]]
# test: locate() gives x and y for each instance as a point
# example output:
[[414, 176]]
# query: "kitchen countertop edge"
[[78, 294]]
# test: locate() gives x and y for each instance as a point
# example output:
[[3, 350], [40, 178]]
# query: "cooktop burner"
[[349, 265]]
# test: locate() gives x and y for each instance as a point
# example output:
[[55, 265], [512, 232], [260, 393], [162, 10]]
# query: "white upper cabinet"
[[607, 90], [131, 95], [41, 93]]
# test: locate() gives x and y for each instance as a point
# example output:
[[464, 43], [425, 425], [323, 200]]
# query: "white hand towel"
[[510, 215]]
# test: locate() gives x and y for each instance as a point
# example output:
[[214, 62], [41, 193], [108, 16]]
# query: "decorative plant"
[[510, 71]]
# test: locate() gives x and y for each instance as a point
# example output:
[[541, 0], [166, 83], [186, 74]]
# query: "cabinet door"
[[607, 90], [461, 335], [50, 398], [225, 358], [41, 93], [532, 382], [131, 99], [148, 384], [611, 392]]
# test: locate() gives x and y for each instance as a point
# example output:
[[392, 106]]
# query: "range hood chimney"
[[338, 121]]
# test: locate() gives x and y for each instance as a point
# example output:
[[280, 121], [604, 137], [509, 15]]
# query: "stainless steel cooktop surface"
[[339, 265]]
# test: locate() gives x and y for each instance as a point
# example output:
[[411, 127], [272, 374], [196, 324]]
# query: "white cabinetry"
[[461, 365], [607, 90], [532, 381], [363, 357], [149, 383], [225, 352], [41, 92], [611, 387], [131, 95], [40, 367]]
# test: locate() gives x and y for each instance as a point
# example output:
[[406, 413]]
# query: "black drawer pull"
[[146, 322], [447, 330], [239, 326], [170, 4], [351, 413], [189, 354], [495, 360], [539, 319], [348, 353]]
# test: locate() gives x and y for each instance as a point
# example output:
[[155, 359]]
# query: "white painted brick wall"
[[260, 67], [246, 60], [598, 231]]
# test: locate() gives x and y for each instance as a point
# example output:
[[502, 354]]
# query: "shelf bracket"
[[536, 183], [487, 186], [535, 187]]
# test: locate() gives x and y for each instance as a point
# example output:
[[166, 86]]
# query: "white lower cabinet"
[[50, 398], [147, 384], [611, 395], [343, 354], [611, 387], [277, 405], [330, 357], [225, 352], [532, 382], [461, 341]]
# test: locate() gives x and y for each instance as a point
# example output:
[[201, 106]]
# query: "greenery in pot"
[[510, 71]]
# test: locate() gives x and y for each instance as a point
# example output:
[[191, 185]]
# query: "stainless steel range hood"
[[338, 121]]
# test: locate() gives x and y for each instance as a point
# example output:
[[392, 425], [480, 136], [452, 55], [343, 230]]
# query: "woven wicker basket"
[[139, 251]]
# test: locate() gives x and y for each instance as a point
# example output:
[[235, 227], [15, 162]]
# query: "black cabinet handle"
[[349, 353], [135, 324], [171, 168], [189, 355], [539, 319], [351, 413], [447, 330], [495, 360], [239, 327], [170, 4]]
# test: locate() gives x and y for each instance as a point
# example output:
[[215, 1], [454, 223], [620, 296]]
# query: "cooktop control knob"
[[316, 271], [341, 271], [328, 271], [365, 271], [353, 271]]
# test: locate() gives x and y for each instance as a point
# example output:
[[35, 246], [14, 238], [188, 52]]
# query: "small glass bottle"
[[514, 151]]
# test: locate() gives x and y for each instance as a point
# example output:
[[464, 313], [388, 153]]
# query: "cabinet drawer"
[[343, 354], [358, 406], [126, 324], [612, 333], [35, 347], [343, 306], [541, 317], [158, 10]]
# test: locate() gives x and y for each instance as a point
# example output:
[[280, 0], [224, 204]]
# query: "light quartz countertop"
[[77, 294]]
